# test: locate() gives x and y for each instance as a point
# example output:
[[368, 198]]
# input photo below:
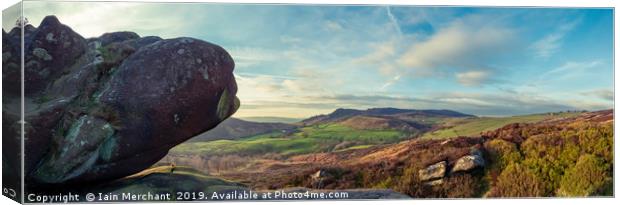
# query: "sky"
[[302, 60]]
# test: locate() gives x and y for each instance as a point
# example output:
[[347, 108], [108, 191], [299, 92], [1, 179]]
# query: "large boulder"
[[435, 171], [88, 121]]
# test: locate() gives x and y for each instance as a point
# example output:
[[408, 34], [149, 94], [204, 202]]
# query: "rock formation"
[[469, 162], [108, 107], [433, 175], [435, 171]]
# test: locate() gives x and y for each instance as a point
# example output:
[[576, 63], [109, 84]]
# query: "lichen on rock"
[[435, 171], [41, 54]]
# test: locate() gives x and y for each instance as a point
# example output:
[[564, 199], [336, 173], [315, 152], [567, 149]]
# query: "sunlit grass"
[[474, 126]]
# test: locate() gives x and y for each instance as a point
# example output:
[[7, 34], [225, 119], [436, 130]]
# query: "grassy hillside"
[[233, 128], [474, 126], [567, 157], [570, 154], [338, 136], [319, 138], [343, 133]]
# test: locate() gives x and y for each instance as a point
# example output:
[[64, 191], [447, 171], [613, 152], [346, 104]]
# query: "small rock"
[[434, 182], [319, 174], [434, 171], [319, 178], [469, 162], [445, 142]]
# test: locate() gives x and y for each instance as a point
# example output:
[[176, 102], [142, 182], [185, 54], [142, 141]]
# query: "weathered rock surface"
[[108, 38], [108, 107], [434, 174], [468, 163], [50, 49], [434, 171]]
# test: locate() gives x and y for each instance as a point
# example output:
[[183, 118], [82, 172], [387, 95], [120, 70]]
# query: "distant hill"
[[233, 128], [403, 114], [362, 122]]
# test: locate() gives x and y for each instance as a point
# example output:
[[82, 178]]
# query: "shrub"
[[549, 155], [410, 184], [460, 186], [598, 140], [586, 178], [517, 181], [500, 153]]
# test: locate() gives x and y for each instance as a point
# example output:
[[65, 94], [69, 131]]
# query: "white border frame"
[[512, 3]]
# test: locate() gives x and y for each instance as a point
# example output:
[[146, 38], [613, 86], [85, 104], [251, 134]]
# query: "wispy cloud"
[[473, 77], [333, 26], [393, 21], [603, 94], [568, 70], [391, 82], [551, 43]]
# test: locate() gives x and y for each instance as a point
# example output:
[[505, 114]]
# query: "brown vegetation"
[[566, 157]]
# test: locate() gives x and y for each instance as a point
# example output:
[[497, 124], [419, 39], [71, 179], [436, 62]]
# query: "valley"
[[383, 148]]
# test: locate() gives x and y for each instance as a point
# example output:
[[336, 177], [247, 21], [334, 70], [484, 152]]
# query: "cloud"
[[252, 56], [391, 82], [473, 77], [551, 43], [568, 70], [91, 19], [257, 84], [333, 26], [379, 53], [603, 94], [548, 45], [393, 21], [462, 46]]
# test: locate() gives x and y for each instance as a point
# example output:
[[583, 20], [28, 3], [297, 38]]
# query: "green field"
[[342, 133], [326, 137], [309, 140], [474, 126]]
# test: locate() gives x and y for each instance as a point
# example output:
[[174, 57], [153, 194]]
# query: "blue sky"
[[299, 61]]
